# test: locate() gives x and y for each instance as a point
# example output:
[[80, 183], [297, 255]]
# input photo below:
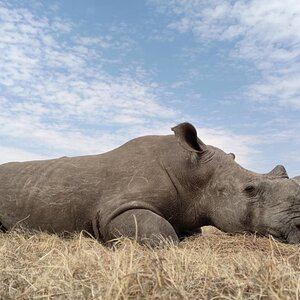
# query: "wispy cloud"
[[264, 33], [59, 96], [13, 154], [242, 146], [51, 89]]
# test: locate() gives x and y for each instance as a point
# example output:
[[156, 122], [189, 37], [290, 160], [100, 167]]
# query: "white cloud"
[[56, 94], [284, 90], [53, 85], [242, 146], [14, 154], [103, 42], [265, 33]]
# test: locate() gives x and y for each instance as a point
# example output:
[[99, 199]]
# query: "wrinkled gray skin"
[[152, 186], [297, 179]]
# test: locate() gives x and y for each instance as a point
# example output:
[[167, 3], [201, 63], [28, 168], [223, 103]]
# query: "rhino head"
[[234, 199]]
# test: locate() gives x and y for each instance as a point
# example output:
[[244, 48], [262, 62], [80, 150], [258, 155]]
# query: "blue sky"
[[82, 77]]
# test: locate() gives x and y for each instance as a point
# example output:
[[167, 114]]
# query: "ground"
[[211, 266]]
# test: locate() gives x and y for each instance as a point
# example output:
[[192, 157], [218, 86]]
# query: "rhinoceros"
[[150, 187], [297, 179]]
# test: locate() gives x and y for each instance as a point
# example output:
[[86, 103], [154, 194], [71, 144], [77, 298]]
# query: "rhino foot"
[[142, 225]]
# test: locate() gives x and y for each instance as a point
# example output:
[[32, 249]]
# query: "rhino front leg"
[[142, 225]]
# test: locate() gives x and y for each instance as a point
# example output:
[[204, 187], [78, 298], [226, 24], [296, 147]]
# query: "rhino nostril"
[[298, 226]]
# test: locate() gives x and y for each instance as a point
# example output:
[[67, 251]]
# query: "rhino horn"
[[186, 134], [278, 171]]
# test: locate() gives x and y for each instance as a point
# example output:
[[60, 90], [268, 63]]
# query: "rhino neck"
[[190, 213]]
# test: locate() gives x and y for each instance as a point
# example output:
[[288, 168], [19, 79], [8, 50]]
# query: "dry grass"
[[212, 266]]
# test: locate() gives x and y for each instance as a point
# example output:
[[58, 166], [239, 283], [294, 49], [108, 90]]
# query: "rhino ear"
[[187, 136], [279, 171]]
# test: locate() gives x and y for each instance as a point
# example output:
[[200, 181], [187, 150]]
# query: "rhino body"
[[297, 179], [150, 187]]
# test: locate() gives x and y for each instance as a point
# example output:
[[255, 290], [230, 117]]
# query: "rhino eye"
[[250, 190]]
